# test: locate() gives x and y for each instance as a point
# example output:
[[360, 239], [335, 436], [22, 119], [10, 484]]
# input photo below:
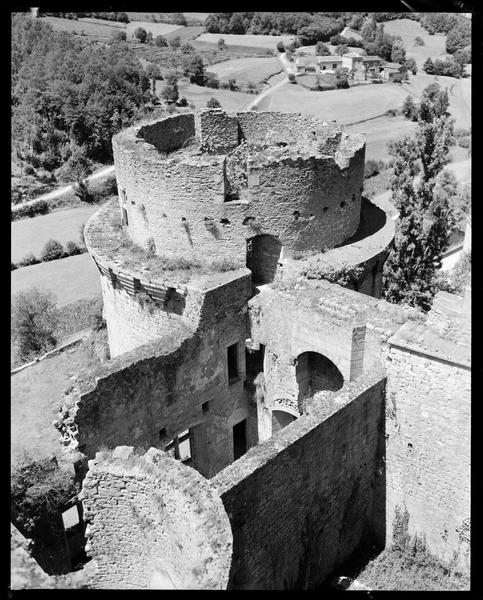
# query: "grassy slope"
[[30, 235], [408, 30], [35, 393]]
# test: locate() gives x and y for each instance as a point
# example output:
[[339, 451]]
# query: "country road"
[[104, 172]]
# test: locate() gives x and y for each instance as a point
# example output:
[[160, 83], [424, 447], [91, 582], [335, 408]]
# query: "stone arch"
[[315, 373], [263, 257], [280, 419]]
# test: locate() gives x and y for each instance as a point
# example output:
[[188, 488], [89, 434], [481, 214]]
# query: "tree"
[[341, 77], [52, 250], [119, 36], [175, 42], [170, 91], [222, 44], [372, 49], [409, 108], [160, 41], [428, 66], [459, 36], [411, 65], [341, 49], [406, 277], [34, 321], [398, 52], [280, 46], [232, 85], [77, 168], [322, 49], [140, 34], [194, 68], [213, 103], [153, 72], [369, 29], [409, 274], [187, 48]]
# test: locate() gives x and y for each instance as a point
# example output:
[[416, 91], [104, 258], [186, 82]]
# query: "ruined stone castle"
[[283, 410]]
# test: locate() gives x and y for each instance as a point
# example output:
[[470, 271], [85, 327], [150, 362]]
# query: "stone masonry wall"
[[299, 503], [217, 131], [170, 133], [178, 201], [149, 395], [154, 524], [428, 449]]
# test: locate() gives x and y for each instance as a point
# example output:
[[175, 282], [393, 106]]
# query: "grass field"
[[30, 235], [258, 41], [70, 279], [408, 30], [34, 396], [380, 131], [346, 106], [200, 95], [246, 69], [154, 28]]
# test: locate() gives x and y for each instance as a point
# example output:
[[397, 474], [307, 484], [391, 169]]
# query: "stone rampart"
[[428, 431], [154, 524], [300, 502]]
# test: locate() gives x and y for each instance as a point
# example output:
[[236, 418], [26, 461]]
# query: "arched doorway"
[[263, 256], [281, 419], [315, 373]]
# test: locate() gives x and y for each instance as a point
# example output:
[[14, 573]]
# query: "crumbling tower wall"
[[154, 523]]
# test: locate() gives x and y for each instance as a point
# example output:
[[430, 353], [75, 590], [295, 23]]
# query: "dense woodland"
[[68, 93]]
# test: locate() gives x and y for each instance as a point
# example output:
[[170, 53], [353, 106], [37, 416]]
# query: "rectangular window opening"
[[232, 358], [181, 447], [240, 439]]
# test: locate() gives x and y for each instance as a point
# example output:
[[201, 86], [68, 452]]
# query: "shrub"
[[211, 81], [13, 266], [52, 250], [397, 78], [213, 103], [34, 208], [418, 41], [464, 141], [182, 102], [28, 259], [29, 170], [33, 322], [72, 249], [160, 41], [374, 167], [280, 47], [140, 34]]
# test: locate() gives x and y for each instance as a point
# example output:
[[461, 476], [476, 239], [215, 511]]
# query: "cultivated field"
[[408, 30], [258, 41], [70, 279], [246, 69], [30, 235], [90, 27], [199, 96]]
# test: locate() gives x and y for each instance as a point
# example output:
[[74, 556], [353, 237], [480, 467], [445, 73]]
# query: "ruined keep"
[[299, 401]]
